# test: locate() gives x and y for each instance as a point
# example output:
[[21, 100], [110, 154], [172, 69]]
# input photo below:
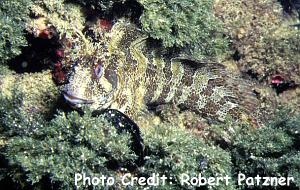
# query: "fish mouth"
[[75, 101]]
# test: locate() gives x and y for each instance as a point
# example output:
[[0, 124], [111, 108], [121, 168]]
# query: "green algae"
[[39, 149], [26, 98], [70, 143], [66, 145], [13, 16], [272, 150]]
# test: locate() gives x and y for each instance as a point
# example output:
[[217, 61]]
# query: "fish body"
[[138, 73]]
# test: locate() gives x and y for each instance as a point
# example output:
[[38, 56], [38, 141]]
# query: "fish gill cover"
[[148, 86]]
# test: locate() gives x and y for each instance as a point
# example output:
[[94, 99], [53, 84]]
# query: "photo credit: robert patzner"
[[150, 94]]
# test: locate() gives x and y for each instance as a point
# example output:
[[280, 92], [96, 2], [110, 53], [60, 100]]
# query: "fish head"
[[91, 85]]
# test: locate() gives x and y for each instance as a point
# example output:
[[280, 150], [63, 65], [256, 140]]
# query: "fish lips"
[[75, 101]]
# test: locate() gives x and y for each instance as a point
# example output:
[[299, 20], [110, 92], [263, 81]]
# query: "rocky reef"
[[44, 141], [264, 43]]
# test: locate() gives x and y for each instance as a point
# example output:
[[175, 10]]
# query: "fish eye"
[[98, 71]]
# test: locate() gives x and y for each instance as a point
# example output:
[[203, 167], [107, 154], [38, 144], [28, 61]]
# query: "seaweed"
[[13, 16]]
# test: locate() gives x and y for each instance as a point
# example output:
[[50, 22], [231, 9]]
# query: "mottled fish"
[[132, 73]]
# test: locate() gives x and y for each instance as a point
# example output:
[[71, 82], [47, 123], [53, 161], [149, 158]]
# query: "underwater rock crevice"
[[38, 56], [286, 86]]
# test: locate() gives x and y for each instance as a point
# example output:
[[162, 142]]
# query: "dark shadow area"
[[252, 74], [39, 55], [289, 85], [130, 9], [236, 56], [290, 6], [62, 106], [6, 181]]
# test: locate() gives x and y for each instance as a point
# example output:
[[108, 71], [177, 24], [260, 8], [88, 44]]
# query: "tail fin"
[[256, 102]]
